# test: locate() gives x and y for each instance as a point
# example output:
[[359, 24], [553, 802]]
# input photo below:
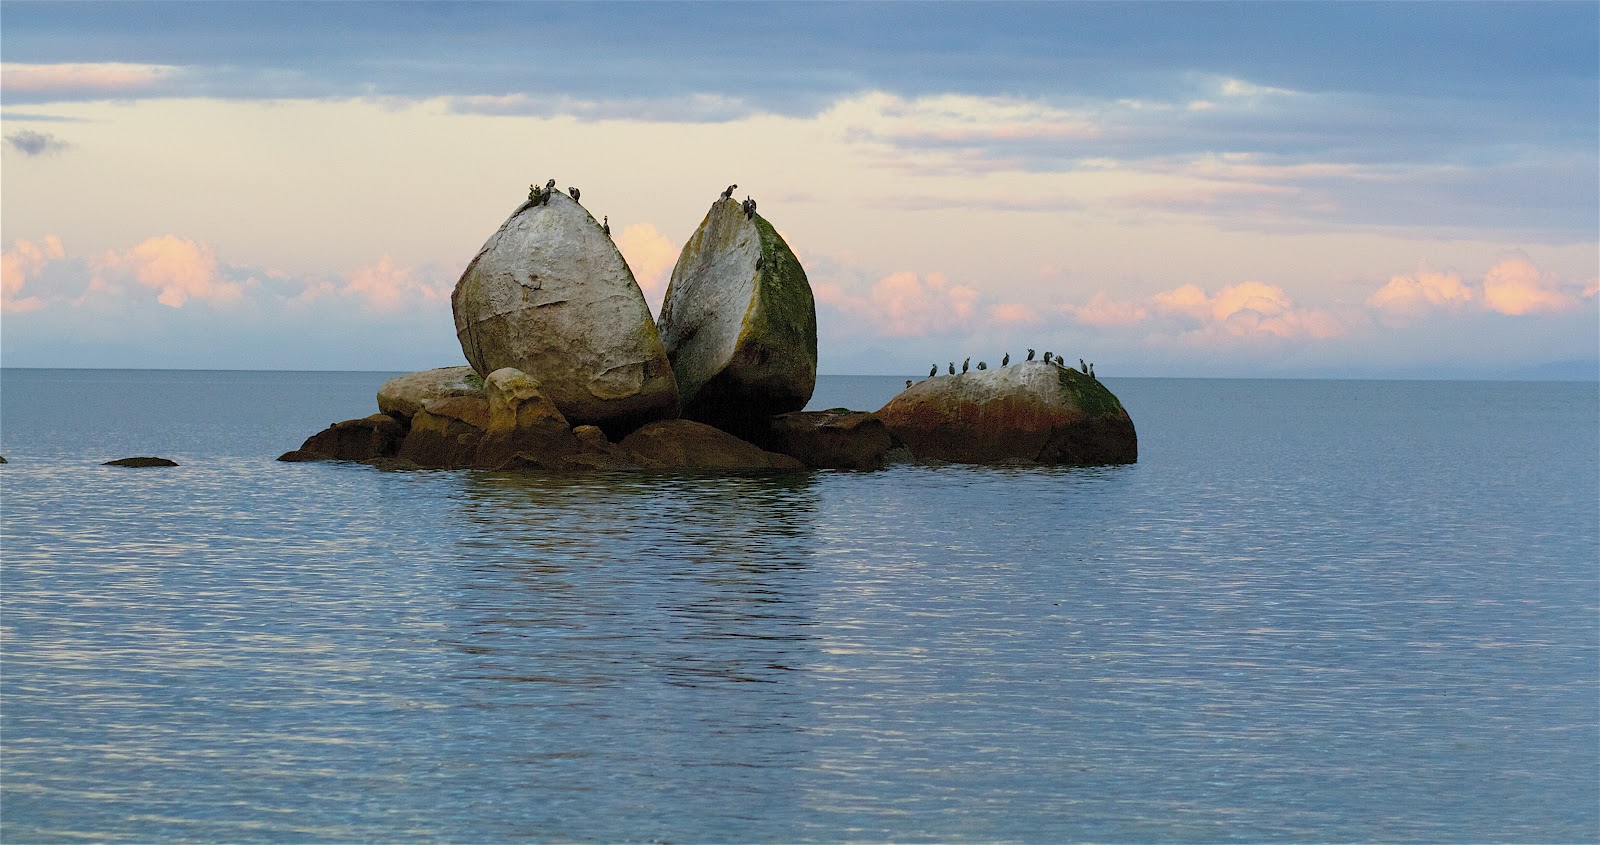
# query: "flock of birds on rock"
[[1049, 358], [541, 196]]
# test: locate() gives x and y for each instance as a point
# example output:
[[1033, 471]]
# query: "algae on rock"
[[550, 295], [739, 323]]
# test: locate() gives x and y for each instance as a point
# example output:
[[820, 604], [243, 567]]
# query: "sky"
[[1324, 190]]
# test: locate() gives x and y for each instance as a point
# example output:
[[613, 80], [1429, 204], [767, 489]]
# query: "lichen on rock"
[[1031, 412], [739, 323], [550, 295]]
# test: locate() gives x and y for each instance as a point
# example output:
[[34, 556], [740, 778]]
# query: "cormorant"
[[1082, 366], [574, 193], [965, 363], [728, 194], [952, 368], [1006, 360], [1091, 372], [933, 372], [982, 366], [1047, 357], [1030, 354], [605, 226], [550, 185], [749, 208], [908, 382]]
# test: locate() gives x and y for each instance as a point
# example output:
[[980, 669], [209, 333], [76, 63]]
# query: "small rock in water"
[[141, 462]]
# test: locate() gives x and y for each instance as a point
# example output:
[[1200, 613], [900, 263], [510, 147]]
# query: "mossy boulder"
[[1031, 412], [739, 323], [550, 295], [403, 396]]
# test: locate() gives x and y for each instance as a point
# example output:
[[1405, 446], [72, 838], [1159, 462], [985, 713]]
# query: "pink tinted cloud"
[[386, 287], [20, 263], [112, 79], [905, 304], [175, 268], [651, 257], [1515, 286], [1424, 291], [1248, 309], [1014, 313]]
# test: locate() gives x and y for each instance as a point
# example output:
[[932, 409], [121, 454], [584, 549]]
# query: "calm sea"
[[1313, 611]]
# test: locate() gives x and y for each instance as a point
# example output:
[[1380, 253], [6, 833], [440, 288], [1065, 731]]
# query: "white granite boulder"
[[739, 323], [550, 295]]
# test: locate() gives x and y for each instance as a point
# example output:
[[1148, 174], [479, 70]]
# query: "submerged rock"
[[1034, 412], [689, 445], [739, 323], [373, 436], [141, 462], [834, 439], [550, 295], [403, 396]]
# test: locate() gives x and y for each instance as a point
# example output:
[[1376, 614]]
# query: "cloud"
[[1515, 286], [20, 263], [651, 257], [905, 304], [1014, 313], [1422, 292], [386, 287], [176, 268], [1245, 310], [31, 143], [83, 81]]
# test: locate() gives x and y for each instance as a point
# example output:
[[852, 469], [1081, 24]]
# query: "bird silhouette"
[[933, 372], [965, 363], [606, 225], [1006, 360], [1030, 354]]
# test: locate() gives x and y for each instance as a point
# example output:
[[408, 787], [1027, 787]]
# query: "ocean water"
[[1313, 611]]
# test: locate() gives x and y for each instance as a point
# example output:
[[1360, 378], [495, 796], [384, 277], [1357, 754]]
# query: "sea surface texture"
[[1313, 611]]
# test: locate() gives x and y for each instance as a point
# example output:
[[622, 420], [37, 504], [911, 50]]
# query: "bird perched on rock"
[[749, 207], [965, 364], [933, 372], [1030, 354], [1091, 372], [1082, 366], [1047, 357], [952, 368], [728, 194], [1006, 360], [908, 382], [982, 366], [574, 193], [550, 185], [605, 225]]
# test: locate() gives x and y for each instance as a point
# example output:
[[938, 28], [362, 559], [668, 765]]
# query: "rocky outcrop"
[[445, 433], [739, 323], [374, 436], [521, 419], [835, 439], [403, 396], [1030, 412], [141, 462], [689, 445], [550, 295]]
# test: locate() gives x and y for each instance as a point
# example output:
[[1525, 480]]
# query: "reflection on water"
[[1247, 636]]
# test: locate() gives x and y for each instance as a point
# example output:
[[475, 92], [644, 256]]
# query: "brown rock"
[[522, 422], [440, 441], [374, 436], [835, 439], [1033, 412], [688, 445], [141, 462], [403, 396]]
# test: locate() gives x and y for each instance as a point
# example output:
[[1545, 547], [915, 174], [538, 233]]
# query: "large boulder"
[[1030, 412], [375, 436], [403, 396], [550, 295], [522, 420], [739, 323], [835, 439], [688, 445]]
